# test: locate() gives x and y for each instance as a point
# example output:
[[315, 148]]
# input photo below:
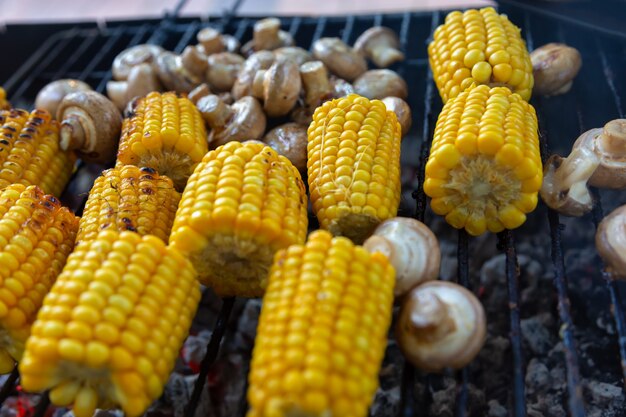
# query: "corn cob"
[[479, 47], [130, 198], [165, 132], [4, 104], [322, 330], [354, 165], [242, 204], [484, 169], [30, 153], [36, 236], [111, 328]]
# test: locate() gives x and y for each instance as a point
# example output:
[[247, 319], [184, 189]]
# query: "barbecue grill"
[[86, 53]]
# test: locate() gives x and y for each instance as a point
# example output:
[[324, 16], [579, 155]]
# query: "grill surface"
[[87, 54]]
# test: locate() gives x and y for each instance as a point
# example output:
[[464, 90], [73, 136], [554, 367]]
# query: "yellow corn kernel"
[[242, 204], [486, 138], [4, 104], [322, 331], [166, 133], [36, 236], [130, 198], [354, 165], [96, 355], [30, 153], [482, 46]]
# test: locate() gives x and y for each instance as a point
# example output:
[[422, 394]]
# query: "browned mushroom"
[[381, 83], [53, 93], [412, 249], [278, 87], [173, 74], [611, 242], [90, 125], [267, 36], [294, 53], [440, 325], [132, 56], [142, 80], [210, 40], [223, 69], [402, 110], [555, 66], [339, 58], [380, 44], [289, 140], [194, 61], [598, 158], [238, 122], [261, 60]]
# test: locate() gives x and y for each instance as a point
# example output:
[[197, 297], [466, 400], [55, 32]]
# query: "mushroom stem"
[[257, 84], [211, 41], [316, 83], [613, 138], [194, 61], [430, 320], [215, 111], [383, 55], [72, 133], [266, 34]]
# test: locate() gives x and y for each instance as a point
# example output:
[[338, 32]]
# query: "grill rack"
[[75, 53]]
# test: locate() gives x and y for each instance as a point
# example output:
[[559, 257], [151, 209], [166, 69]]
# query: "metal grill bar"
[[42, 405], [89, 69], [9, 385], [86, 43]]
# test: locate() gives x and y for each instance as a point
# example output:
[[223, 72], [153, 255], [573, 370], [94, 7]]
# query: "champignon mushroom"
[[90, 125], [341, 87], [142, 80], [440, 325], [135, 55], [611, 242], [555, 66], [210, 40], [194, 61], [231, 43], [294, 53], [289, 140], [380, 44], [53, 93], [402, 110], [238, 122], [316, 84], [222, 70], [267, 36], [200, 91], [381, 83], [279, 87], [173, 74], [598, 158], [339, 58], [261, 60], [412, 249]]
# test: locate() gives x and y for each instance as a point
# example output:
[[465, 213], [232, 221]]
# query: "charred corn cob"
[[165, 132], [484, 169], [130, 198], [36, 236], [479, 47], [30, 153], [354, 165], [242, 203], [4, 104], [111, 327], [322, 332]]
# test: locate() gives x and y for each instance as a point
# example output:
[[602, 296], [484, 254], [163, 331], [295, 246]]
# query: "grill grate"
[[87, 54]]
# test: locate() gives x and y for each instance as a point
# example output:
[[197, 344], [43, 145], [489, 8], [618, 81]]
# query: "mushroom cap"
[[373, 36], [261, 60], [173, 74], [289, 140], [341, 87], [99, 120], [555, 65], [611, 242], [340, 59], [52, 94], [402, 110], [610, 146], [440, 325], [412, 249], [222, 70], [295, 53], [247, 122], [142, 80], [281, 88], [231, 43], [381, 83], [132, 56]]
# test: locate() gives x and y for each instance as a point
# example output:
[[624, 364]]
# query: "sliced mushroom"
[[380, 44], [381, 83], [402, 110], [242, 121], [53, 93], [293, 53], [339, 58], [555, 66], [194, 61], [135, 55], [90, 125], [142, 80], [261, 60], [267, 36], [289, 140], [278, 87], [223, 69], [173, 74], [440, 325], [611, 242]]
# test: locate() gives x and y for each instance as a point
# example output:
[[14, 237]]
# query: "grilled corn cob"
[[479, 47], [165, 132], [112, 326], [354, 165], [4, 104], [36, 236], [484, 169], [242, 203], [130, 198], [322, 331], [30, 153]]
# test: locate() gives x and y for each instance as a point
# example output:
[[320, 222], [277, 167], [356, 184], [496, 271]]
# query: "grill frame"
[[175, 33]]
